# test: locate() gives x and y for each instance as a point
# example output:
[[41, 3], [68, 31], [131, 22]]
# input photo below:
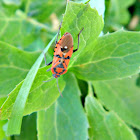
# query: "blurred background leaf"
[[28, 25], [117, 14], [42, 10]]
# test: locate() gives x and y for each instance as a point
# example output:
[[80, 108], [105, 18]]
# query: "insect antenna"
[[49, 80], [58, 87]]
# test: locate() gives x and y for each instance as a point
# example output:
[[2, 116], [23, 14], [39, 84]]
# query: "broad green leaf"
[[76, 17], [41, 95], [121, 96], [117, 14], [65, 119], [111, 56], [17, 111], [28, 129], [105, 125], [14, 65]]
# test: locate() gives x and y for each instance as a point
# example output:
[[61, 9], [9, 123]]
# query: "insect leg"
[[58, 32], [78, 40], [48, 69], [46, 61]]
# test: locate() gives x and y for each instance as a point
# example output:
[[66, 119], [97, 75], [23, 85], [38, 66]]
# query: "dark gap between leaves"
[[94, 93], [12, 137], [132, 9], [84, 90], [137, 132], [28, 128], [138, 81], [105, 108]]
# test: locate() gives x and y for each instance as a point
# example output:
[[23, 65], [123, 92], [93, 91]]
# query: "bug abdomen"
[[58, 70]]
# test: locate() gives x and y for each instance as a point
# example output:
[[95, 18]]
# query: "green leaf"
[[28, 129], [17, 111], [41, 96], [13, 66], [105, 125], [121, 96], [112, 56], [37, 9], [76, 17], [117, 14], [65, 119], [2, 100], [27, 26]]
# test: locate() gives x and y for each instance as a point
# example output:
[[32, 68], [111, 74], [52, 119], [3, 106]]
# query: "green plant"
[[107, 66]]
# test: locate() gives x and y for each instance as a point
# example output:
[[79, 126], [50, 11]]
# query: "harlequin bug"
[[62, 54]]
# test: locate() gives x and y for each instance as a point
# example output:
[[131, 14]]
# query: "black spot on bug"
[[54, 70], [57, 56], [63, 49], [67, 57]]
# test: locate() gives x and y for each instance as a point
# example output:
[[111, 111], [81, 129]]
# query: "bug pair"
[[62, 54]]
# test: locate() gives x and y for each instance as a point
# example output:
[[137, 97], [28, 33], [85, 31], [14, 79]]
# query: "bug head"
[[67, 43]]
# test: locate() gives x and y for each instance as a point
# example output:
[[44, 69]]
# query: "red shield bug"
[[62, 54]]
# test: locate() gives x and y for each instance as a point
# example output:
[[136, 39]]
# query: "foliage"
[[117, 14], [108, 66]]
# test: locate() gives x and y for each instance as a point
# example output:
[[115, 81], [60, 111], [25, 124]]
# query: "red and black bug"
[[62, 54]]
